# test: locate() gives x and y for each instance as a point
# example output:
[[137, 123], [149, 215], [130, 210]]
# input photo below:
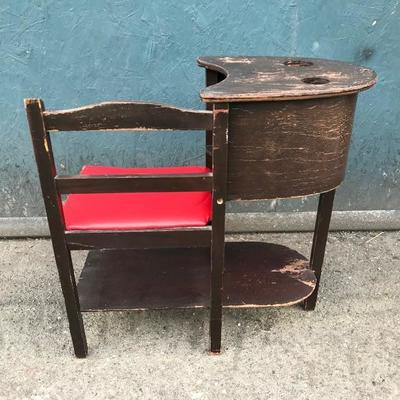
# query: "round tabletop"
[[283, 78]]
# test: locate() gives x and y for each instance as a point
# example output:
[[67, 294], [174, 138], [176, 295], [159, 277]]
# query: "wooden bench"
[[275, 128]]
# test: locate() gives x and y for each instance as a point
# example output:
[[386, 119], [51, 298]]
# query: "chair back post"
[[220, 168], [52, 200], [46, 166]]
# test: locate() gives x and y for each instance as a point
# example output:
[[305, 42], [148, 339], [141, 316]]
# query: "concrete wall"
[[75, 52]]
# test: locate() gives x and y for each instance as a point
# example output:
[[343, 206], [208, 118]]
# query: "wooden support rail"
[[134, 183], [139, 239]]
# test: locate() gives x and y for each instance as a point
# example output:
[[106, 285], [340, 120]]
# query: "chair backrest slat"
[[127, 116]]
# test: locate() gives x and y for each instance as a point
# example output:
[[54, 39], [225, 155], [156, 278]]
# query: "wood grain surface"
[[282, 78], [127, 115], [288, 148], [255, 275]]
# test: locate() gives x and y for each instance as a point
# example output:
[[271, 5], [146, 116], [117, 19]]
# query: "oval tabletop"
[[283, 78]]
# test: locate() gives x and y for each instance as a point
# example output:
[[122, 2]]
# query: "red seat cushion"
[[124, 211]]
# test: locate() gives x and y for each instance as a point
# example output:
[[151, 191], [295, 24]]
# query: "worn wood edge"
[[212, 67], [29, 101], [49, 115], [241, 306], [373, 220], [266, 96], [116, 103], [243, 99]]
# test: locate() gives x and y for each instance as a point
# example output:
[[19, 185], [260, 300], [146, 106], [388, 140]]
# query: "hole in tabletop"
[[298, 63], [316, 80]]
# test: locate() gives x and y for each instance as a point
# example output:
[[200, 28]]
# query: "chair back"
[[122, 116]]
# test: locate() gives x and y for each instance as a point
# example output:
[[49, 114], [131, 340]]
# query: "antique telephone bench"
[[275, 128]]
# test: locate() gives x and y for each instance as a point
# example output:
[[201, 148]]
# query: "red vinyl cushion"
[[124, 211]]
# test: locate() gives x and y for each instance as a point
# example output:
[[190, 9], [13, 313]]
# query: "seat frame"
[[132, 116]]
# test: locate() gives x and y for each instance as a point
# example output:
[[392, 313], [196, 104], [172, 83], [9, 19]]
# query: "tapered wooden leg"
[[52, 200], [319, 242], [217, 267], [68, 285]]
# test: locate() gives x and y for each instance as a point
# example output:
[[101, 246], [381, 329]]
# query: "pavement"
[[348, 348]]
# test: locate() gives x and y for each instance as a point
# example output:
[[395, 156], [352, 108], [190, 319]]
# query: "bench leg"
[[68, 286], [324, 213], [220, 168], [217, 270], [217, 267]]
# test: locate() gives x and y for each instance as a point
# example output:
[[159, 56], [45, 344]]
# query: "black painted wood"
[[287, 149], [114, 116], [127, 116], [47, 171], [139, 239], [290, 123], [289, 128], [219, 167], [256, 275], [325, 206], [134, 183], [283, 78], [212, 77]]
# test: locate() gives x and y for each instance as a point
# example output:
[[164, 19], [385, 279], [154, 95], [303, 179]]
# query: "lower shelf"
[[256, 275]]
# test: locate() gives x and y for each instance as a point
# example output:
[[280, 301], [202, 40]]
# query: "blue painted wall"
[[75, 52]]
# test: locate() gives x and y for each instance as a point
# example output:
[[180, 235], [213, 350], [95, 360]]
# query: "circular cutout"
[[316, 80], [298, 63]]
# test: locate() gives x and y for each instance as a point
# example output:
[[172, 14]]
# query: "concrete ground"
[[348, 348]]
